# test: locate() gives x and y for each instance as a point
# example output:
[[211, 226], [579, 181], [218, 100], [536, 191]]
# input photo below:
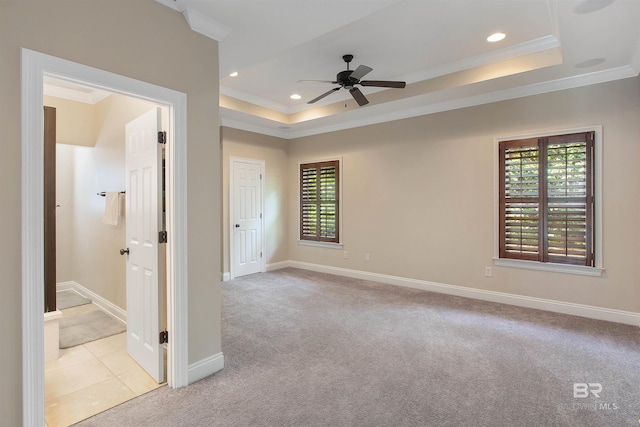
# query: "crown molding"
[[393, 111], [200, 23], [488, 98], [249, 127], [177, 5], [256, 100], [281, 108], [522, 49]]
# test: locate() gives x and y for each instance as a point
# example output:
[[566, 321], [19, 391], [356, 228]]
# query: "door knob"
[[237, 225], [124, 251]]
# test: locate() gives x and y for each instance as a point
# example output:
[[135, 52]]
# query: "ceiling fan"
[[348, 79]]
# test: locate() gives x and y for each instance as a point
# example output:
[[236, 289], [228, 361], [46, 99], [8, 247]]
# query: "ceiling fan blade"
[[383, 83], [317, 81], [323, 95], [360, 72], [358, 96]]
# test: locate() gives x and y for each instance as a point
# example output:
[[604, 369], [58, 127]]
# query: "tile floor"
[[90, 378]]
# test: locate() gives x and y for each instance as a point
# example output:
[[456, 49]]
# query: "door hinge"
[[162, 137], [260, 215], [162, 237], [260, 254], [260, 176], [164, 337]]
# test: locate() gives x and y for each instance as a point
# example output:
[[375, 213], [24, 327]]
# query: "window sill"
[[320, 244], [549, 266]]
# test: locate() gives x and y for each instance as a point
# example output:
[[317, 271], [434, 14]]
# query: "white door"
[[145, 298], [246, 220]]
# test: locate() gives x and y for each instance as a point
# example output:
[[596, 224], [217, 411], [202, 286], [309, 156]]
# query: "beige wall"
[[238, 143], [75, 121], [65, 165], [123, 37], [418, 194]]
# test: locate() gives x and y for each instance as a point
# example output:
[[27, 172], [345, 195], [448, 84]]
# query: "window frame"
[[320, 242], [597, 269]]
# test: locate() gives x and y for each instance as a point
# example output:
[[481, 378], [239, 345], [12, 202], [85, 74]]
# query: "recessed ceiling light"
[[295, 96], [496, 37], [588, 6], [234, 74]]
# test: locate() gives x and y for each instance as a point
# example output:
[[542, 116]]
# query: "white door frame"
[[35, 66], [261, 163]]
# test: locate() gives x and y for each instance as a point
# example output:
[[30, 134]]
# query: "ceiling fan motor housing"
[[344, 80]]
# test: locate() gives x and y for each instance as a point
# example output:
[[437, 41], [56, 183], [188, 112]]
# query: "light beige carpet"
[[308, 349]]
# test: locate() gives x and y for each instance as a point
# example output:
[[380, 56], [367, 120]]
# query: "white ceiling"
[[274, 43], [438, 47]]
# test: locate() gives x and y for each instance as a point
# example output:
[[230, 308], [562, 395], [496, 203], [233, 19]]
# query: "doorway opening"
[[35, 67], [95, 369]]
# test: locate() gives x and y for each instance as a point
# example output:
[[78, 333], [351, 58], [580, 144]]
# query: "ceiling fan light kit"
[[348, 79]]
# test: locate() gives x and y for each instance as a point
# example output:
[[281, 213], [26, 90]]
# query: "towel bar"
[[104, 193]]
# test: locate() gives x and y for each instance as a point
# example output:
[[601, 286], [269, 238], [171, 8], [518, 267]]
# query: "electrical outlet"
[[488, 272], [366, 256], [345, 255]]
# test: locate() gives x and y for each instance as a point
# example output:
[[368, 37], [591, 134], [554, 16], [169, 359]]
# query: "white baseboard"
[[592, 312], [65, 286], [278, 265], [268, 267], [104, 304], [205, 367]]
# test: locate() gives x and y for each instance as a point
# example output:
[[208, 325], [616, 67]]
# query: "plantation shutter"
[[546, 199], [569, 199], [520, 199], [319, 206]]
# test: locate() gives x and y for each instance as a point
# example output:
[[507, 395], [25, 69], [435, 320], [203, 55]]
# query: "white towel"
[[111, 208]]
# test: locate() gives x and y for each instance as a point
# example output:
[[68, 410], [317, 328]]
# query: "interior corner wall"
[[176, 58], [273, 150], [75, 121], [418, 194]]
